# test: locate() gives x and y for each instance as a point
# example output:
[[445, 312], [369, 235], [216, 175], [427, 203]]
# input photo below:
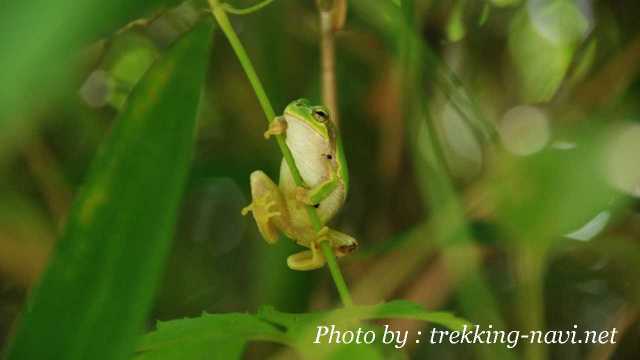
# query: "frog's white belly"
[[309, 151]]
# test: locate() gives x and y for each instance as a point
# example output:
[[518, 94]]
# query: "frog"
[[282, 209]]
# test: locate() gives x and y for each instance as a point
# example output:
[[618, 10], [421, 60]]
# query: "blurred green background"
[[493, 148]]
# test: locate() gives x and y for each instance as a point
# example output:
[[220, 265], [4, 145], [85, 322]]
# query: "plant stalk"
[[336, 274], [224, 23], [328, 64], [230, 9], [329, 98]]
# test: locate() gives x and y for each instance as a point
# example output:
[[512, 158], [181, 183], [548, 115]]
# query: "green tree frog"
[[315, 145]]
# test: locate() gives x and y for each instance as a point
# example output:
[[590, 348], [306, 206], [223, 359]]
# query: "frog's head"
[[316, 116]]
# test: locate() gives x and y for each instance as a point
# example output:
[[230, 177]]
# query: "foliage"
[[224, 336], [118, 232], [492, 149]]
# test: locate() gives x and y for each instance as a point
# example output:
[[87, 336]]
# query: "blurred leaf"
[[357, 352], [585, 62], [134, 55], [502, 3], [542, 41], [98, 288], [43, 36], [125, 61], [465, 17], [484, 15], [456, 29], [536, 207], [461, 147], [558, 21]]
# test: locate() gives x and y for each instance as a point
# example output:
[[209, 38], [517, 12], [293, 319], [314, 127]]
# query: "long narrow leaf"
[[97, 291]]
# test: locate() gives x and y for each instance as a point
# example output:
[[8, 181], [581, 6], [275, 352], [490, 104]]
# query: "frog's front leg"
[[268, 206], [277, 127], [320, 192]]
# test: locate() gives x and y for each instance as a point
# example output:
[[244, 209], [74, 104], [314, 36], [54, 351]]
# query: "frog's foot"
[[267, 206], [262, 205], [306, 260], [341, 243], [277, 127], [247, 209], [263, 212]]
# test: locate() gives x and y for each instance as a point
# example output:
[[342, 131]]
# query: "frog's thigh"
[[306, 260], [267, 206]]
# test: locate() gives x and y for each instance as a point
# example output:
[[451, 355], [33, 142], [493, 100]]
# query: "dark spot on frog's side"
[[316, 205]]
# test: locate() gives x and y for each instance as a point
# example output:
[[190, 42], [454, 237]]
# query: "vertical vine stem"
[[327, 54], [329, 97], [223, 21], [336, 274]]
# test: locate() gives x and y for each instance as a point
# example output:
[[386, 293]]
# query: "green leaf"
[[302, 328], [223, 336], [542, 42], [94, 297], [353, 351], [218, 336], [397, 309], [402, 309]]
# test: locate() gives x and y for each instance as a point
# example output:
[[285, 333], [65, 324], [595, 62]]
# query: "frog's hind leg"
[[267, 205], [341, 243], [306, 260]]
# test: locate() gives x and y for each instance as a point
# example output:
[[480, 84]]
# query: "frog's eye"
[[320, 115]]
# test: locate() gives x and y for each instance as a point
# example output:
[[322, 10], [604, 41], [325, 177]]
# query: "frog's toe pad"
[[247, 209], [305, 261], [262, 214]]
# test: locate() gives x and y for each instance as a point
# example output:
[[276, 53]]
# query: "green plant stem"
[[336, 274], [230, 9], [223, 21]]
